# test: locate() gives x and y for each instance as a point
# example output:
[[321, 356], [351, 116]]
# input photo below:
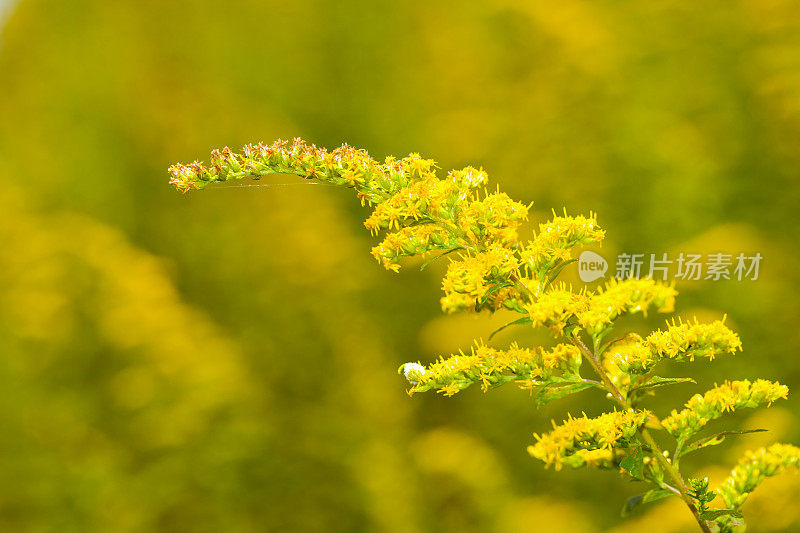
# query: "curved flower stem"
[[645, 435]]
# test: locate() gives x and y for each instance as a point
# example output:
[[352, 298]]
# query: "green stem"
[[645, 436], [612, 389], [523, 288]]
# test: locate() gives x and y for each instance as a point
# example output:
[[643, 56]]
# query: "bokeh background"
[[226, 360]]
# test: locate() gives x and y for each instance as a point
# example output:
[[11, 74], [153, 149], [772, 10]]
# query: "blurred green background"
[[225, 360]]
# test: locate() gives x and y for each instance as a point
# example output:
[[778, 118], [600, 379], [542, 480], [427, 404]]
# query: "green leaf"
[[555, 391], [621, 338], [493, 289], [519, 321], [598, 338], [435, 257], [571, 330], [556, 270], [714, 439], [658, 381], [648, 497], [634, 463], [713, 514]]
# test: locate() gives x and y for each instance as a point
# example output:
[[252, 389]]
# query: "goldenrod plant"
[[490, 269]]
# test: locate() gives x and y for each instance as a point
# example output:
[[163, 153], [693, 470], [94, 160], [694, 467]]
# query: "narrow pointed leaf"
[[552, 392], [648, 497], [517, 322], [713, 514], [658, 381], [714, 439], [493, 289], [555, 271], [435, 257]]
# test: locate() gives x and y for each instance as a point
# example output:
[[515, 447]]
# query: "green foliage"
[[712, 440], [634, 463], [652, 495]]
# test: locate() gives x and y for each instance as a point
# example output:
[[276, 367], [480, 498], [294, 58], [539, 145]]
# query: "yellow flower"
[[468, 281], [753, 468], [580, 441], [685, 341], [468, 177], [492, 367], [493, 219], [555, 239], [555, 307], [412, 240], [625, 357], [629, 296], [422, 167], [729, 396]]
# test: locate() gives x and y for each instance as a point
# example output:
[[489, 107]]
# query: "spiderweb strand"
[[222, 187]]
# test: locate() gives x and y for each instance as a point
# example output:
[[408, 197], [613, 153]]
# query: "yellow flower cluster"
[[343, 166], [555, 307], [431, 196], [626, 357], [413, 240], [686, 340], [493, 219], [467, 281], [628, 296], [424, 213], [681, 341], [491, 368], [481, 280], [555, 240], [729, 396], [753, 468], [559, 306], [581, 441]]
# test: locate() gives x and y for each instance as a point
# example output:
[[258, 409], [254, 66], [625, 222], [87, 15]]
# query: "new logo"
[[591, 266]]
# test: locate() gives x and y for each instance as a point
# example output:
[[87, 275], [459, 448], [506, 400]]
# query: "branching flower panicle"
[[683, 341], [491, 368], [490, 269], [554, 242], [729, 396], [625, 297]]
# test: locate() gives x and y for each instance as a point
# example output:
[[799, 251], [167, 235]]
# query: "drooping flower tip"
[[183, 177]]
